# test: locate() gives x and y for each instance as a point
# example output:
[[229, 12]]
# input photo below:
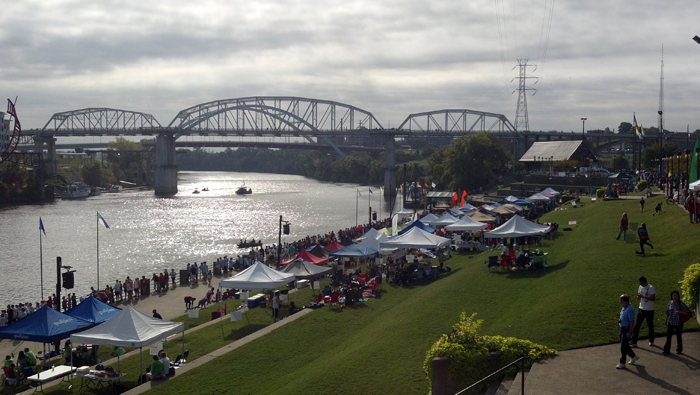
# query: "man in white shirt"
[[646, 295], [3, 319]]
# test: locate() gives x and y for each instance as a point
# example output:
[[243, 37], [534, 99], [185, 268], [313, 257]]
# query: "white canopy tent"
[[446, 219], [405, 213], [375, 243], [466, 223], [517, 227], [372, 234], [430, 217], [538, 196], [552, 192], [511, 198], [416, 238], [258, 278], [130, 328], [695, 186]]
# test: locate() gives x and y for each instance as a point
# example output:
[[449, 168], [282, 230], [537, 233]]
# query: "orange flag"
[[464, 196], [454, 200]]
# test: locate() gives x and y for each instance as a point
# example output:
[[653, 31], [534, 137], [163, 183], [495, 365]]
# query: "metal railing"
[[522, 376]]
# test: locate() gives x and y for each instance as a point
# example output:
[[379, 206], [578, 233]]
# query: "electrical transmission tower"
[[521, 120]]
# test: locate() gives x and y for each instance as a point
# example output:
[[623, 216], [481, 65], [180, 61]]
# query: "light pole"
[[583, 128]]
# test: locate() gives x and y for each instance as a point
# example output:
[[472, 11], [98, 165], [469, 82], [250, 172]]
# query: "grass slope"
[[379, 347]]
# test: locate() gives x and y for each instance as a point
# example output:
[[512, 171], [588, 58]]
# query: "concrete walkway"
[[592, 371]]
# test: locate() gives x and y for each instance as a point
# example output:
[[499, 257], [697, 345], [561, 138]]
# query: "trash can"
[[433, 272], [184, 277]]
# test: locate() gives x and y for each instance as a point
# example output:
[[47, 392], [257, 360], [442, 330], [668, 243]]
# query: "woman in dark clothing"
[[675, 309], [623, 227], [643, 238]]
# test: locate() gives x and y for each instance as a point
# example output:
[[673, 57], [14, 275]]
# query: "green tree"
[[471, 162], [651, 155], [620, 162], [91, 174], [625, 128]]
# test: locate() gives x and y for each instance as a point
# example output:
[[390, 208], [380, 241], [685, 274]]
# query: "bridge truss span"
[[91, 121], [456, 122], [274, 115]]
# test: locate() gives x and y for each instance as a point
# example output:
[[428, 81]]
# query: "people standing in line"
[[624, 225], [643, 234], [641, 204], [626, 332], [673, 322], [646, 295]]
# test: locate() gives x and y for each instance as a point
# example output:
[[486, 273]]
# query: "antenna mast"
[[522, 123]]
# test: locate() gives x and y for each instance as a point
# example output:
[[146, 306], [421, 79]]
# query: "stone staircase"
[[508, 386]]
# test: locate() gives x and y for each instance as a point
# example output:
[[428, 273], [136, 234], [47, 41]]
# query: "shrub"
[[642, 185], [600, 193], [469, 351], [690, 285]]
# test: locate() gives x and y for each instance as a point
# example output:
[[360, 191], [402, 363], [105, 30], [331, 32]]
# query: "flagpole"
[[357, 193], [97, 223], [380, 203], [41, 262]]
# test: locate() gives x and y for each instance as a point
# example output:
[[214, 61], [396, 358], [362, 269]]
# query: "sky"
[[595, 59]]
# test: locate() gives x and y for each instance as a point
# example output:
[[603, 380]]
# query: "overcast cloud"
[[389, 57]]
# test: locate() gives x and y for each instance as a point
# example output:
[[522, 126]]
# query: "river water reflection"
[[148, 234]]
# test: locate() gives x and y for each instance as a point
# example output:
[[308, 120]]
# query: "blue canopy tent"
[[45, 325], [419, 224], [355, 250], [93, 311], [522, 202]]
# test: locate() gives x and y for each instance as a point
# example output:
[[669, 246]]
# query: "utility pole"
[[522, 123]]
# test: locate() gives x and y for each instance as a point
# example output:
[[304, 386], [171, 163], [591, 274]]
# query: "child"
[[657, 210], [209, 278]]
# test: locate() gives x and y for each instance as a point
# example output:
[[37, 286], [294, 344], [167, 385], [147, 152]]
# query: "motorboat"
[[248, 244], [95, 191], [244, 190], [195, 190], [205, 189], [76, 190], [115, 189]]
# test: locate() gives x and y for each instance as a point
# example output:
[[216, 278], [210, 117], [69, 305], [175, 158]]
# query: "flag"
[[370, 190], [41, 226], [694, 163], [464, 196], [454, 200], [641, 131], [99, 216], [426, 184], [434, 185]]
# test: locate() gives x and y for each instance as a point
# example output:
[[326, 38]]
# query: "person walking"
[[626, 331], [673, 322], [276, 307], [643, 234], [641, 204], [646, 295], [624, 225], [690, 205]]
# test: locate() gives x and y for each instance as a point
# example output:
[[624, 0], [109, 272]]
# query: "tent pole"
[[183, 345], [141, 371]]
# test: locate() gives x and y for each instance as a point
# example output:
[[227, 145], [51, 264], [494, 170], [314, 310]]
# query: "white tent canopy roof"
[[129, 328], [372, 234], [416, 238], [552, 192], [405, 213], [466, 223], [538, 196], [257, 278], [511, 198], [430, 217], [444, 220], [518, 227], [695, 186]]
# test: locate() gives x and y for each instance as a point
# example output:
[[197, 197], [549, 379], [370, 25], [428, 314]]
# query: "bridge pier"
[[389, 168], [51, 167], [165, 180]]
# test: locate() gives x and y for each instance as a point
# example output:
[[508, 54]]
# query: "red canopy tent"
[[334, 246], [307, 256]]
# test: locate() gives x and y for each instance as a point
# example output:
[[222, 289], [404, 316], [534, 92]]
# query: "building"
[[5, 132], [545, 153]]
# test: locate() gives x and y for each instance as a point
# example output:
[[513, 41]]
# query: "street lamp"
[[583, 128]]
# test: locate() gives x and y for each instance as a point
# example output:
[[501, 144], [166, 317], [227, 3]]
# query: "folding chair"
[[492, 262]]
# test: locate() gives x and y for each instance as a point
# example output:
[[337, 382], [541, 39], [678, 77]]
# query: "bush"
[[469, 351], [690, 286], [600, 193], [642, 185]]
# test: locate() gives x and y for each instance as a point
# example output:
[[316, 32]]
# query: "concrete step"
[[500, 388], [516, 384]]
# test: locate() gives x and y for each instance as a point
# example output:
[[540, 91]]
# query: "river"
[[148, 234]]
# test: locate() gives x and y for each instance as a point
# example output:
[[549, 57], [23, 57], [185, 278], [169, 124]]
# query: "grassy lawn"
[[379, 347]]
